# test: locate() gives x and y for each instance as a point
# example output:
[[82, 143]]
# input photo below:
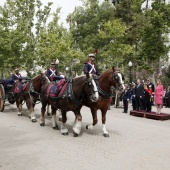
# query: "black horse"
[[70, 100]]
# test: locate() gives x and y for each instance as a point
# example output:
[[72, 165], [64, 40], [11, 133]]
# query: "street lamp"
[[57, 62], [130, 71], [67, 70]]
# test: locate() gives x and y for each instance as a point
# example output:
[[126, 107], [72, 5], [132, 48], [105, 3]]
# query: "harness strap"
[[70, 93], [102, 93]]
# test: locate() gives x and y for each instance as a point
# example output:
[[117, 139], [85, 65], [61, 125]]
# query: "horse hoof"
[[42, 124], [29, 117], [87, 127], [55, 128], [34, 120], [48, 114], [106, 135], [20, 115], [65, 134], [75, 134]]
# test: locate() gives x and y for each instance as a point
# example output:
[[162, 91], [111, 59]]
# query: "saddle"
[[21, 86], [56, 89]]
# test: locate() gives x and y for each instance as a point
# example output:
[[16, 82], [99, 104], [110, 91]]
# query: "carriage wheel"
[[2, 98]]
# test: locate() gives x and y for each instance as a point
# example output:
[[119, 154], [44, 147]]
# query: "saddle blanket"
[[20, 87], [55, 90]]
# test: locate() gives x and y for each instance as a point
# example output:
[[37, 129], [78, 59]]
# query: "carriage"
[[6, 93]]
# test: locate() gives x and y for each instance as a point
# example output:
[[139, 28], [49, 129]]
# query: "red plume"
[[96, 51]]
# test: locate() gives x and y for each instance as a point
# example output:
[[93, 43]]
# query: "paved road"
[[134, 143]]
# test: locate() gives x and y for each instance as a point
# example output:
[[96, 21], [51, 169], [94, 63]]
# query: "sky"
[[67, 7]]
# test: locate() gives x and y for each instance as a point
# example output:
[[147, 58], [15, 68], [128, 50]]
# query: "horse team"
[[93, 92]]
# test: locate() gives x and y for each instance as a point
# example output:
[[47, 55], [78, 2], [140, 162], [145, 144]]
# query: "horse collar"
[[102, 93], [70, 93]]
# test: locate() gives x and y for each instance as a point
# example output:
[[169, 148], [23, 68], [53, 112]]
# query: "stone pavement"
[[134, 143]]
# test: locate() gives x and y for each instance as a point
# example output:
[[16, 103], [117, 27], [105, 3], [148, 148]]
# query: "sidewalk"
[[134, 143]]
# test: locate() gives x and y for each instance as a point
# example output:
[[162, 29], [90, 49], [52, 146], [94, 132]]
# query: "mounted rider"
[[90, 66], [52, 73], [17, 76]]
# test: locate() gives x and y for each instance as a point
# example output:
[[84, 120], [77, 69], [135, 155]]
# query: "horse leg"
[[59, 115], [30, 106], [33, 118], [105, 133], [19, 106], [53, 119], [48, 110], [64, 130], [77, 125], [95, 120], [42, 118]]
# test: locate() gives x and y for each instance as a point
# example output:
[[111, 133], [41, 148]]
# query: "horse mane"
[[79, 77], [37, 76], [106, 72]]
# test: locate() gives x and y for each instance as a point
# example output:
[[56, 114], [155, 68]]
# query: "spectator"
[[159, 92], [139, 93], [167, 98], [147, 97], [126, 96], [152, 87], [133, 98]]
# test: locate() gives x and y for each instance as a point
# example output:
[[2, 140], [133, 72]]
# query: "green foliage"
[[121, 31]]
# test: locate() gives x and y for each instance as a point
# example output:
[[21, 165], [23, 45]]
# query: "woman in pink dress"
[[159, 95]]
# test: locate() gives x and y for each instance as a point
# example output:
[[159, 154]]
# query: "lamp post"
[[57, 62], [130, 71], [66, 71]]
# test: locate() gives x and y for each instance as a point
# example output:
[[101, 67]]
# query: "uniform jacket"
[[90, 68], [126, 94], [16, 77], [52, 74], [152, 86], [147, 95]]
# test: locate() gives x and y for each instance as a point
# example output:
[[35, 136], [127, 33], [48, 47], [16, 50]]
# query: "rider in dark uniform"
[[16, 76], [52, 73], [89, 66]]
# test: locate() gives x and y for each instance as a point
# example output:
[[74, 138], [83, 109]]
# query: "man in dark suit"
[[126, 96], [139, 94]]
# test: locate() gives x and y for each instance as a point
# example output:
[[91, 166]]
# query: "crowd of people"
[[144, 95]]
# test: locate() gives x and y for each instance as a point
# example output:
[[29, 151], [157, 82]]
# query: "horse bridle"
[[89, 83], [43, 80], [114, 76]]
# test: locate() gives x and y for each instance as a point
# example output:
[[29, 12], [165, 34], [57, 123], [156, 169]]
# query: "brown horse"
[[29, 91], [105, 81], [70, 100]]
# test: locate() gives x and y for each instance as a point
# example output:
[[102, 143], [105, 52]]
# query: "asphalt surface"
[[134, 143]]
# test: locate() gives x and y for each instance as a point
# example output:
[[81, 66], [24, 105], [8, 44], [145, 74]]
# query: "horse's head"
[[91, 88], [118, 78], [39, 81], [44, 79]]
